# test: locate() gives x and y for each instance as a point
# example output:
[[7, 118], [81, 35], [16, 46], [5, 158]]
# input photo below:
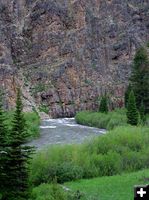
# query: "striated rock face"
[[66, 53]]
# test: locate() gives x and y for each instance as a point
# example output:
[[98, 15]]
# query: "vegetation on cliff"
[[104, 104]]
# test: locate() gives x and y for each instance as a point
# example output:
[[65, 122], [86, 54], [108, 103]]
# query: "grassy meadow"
[[118, 187]]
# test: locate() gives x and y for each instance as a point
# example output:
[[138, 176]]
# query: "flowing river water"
[[63, 131]]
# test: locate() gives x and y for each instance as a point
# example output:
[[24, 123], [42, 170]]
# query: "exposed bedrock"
[[66, 53]]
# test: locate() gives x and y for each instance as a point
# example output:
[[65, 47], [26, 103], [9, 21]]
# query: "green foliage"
[[44, 108], [55, 192], [123, 149], [147, 120], [18, 132], [120, 187], [18, 156], [49, 192], [104, 104], [102, 120], [142, 113], [128, 90], [54, 167], [32, 123], [139, 78], [14, 131], [3, 150], [132, 113]]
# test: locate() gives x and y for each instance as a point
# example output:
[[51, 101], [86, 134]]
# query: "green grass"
[[32, 123], [123, 149], [102, 120], [119, 187], [111, 188]]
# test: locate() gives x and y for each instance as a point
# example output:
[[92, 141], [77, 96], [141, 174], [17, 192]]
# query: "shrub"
[[104, 105], [120, 150], [108, 164], [68, 171], [55, 162], [56, 192], [132, 161], [116, 119], [102, 120], [48, 192]]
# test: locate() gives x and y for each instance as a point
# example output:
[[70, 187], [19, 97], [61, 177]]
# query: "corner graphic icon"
[[141, 192]]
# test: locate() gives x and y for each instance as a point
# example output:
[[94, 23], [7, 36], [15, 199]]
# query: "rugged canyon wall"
[[65, 54]]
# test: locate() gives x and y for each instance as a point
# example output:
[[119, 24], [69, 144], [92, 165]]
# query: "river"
[[63, 131]]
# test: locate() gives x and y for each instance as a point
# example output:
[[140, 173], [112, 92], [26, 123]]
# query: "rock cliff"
[[65, 54]]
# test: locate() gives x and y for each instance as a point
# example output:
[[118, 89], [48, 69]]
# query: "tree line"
[[137, 92]]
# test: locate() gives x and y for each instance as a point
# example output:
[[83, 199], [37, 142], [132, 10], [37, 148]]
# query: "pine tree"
[[19, 156], [3, 150], [128, 90], [140, 78], [132, 113], [142, 113], [104, 104]]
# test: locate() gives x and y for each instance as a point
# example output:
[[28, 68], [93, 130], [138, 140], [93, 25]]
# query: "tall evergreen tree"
[[104, 104], [132, 113], [19, 156], [140, 78], [128, 90], [3, 150], [142, 113]]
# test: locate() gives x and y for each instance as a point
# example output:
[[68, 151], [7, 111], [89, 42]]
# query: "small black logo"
[[141, 192]]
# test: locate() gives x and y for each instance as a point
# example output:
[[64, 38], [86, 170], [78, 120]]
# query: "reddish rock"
[[65, 54]]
